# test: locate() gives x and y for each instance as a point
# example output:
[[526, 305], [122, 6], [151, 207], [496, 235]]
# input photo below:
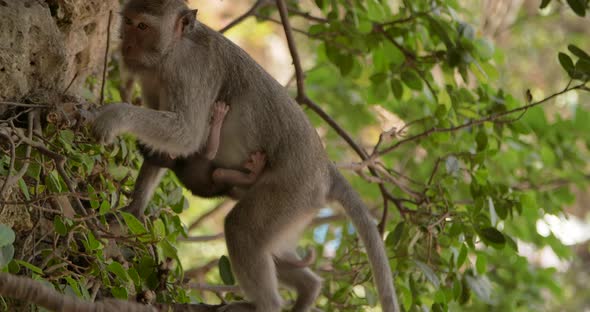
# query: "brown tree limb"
[[293, 49], [302, 98], [31, 291], [204, 238]]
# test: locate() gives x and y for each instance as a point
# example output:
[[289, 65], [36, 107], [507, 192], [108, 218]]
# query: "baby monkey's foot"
[[220, 109], [256, 163]]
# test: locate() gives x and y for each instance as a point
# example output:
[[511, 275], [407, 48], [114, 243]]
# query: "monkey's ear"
[[185, 21]]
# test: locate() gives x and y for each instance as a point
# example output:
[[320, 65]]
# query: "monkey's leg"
[[233, 177], [255, 165], [304, 280], [256, 227], [147, 180]]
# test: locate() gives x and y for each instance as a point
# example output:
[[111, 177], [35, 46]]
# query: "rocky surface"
[[45, 44]]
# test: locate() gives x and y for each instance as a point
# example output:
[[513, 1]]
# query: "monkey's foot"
[[220, 109], [256, 163], [241, 306]]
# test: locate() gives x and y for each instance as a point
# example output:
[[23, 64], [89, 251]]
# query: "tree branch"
[[492, 117], [257, 5], [302, 98], [31, 291]]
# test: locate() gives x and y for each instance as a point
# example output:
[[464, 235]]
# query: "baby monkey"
[[214, 181]]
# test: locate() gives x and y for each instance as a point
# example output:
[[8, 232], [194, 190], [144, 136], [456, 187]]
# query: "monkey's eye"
[[142, 26], [128, 21]]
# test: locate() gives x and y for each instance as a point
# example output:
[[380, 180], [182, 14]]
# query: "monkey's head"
[[151, 28]]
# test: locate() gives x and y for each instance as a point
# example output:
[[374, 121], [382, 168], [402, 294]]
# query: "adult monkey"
[[184, 67]]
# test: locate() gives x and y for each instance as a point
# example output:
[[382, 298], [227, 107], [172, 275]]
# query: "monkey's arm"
[[148, 179], [176, 133], [220, 109]]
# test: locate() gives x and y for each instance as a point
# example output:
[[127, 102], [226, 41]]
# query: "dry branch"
[[31, 291]]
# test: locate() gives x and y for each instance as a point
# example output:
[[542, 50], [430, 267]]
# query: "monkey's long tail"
[[342, 192]]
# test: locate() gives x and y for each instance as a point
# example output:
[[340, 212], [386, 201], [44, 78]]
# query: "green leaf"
[[566, 62], [429, 273], [378, 93], [578, 52], [225, 271], [481, 286], [52, 182], [397, 88], [492, 235], [482, 140], [578, 6], [67, 136], [119, 293], [6, 235], [544, 4], [118, 171], [133, 224], [23, 187], [59, 226], [583, 67], [105, 207], [375, 11], [485, 49], [74, 285], [394, 237], [6, 255], [412, 79], [159, 229], [93, 243], [481, 263], [371, 296], [462, 256], [169, 250], [118, 269], [320, 3], [29, 266], [437, 307]]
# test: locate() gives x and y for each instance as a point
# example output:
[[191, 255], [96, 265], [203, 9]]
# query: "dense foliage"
[[464, 168]]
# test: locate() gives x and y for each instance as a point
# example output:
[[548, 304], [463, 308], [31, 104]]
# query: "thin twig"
[[492, 117], [204, 238], [308, 16], [25, 104], [106, 58], [12, 180], [293, 49], [409, 18], [59, 164], [71, 83], [241, 18]]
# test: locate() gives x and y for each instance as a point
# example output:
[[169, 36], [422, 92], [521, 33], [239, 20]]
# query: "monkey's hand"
[[220, 109], [256, 163], [110, 122]]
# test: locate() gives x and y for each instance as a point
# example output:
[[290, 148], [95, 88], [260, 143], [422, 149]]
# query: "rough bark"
[[45, 44]]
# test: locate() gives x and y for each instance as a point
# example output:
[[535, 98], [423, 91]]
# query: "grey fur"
[[192, 73]]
